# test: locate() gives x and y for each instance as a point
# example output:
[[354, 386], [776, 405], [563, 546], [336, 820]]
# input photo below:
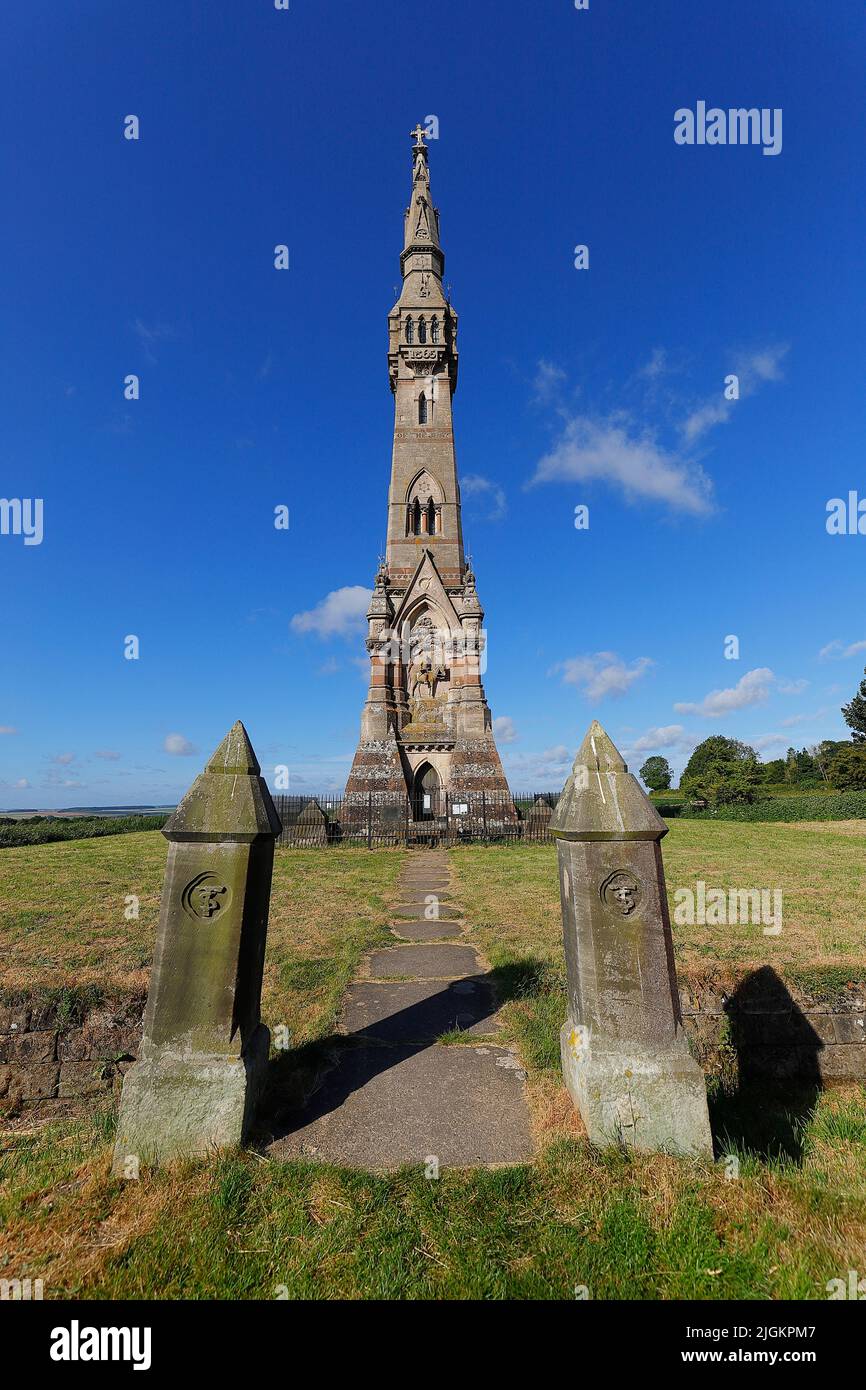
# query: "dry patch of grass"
[[62, 923], [328, 906], [512, 895], [62, 912], [856, 828], [626, 1226]]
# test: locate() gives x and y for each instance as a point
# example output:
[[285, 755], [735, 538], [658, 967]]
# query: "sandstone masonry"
[[426, 725]]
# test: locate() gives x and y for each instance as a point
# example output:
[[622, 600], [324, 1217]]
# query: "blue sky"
[[260, 387]]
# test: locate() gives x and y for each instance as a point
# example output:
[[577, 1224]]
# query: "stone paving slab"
[[385, 1106], [415, 1011], [413, 912], [426, 931], [394, 1095], [420, 895], [448, 962]]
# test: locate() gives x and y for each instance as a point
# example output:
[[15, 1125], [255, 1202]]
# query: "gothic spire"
[[421, 247]]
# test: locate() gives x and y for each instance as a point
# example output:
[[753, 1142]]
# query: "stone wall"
[[764, 1031], [49, 1054], [760, 1031]]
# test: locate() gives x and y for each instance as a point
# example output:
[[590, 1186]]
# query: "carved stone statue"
[[423, 677]]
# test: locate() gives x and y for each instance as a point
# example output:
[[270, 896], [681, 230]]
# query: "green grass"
[[63, 929], [626, 1227], [512, 898]]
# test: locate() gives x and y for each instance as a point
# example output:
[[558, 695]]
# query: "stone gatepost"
[[204, 1052], [624, 1054]]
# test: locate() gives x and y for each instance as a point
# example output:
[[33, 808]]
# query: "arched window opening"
[[431, 517], [415, 518], [434, 331], [422, 409], [410, 330], [422, 330]]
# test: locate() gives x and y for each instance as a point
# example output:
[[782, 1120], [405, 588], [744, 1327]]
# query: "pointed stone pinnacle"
[[235, 754], [599, 749], [229, 800], [601, 799]]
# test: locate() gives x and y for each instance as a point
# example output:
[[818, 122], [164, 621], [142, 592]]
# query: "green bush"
[[798, 789], [42, 830], [817, 806]]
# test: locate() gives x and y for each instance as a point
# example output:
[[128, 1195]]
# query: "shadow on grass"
[[766, 1110], [527, 977]]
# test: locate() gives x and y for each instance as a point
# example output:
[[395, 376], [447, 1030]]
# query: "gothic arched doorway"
[[425, 792]]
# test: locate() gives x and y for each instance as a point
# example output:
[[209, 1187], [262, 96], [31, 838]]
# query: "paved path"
[[393, 1094]]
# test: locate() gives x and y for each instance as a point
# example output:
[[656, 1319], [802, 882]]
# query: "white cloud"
[[529, 772], [786, 687], [7, 729], [766, 741], [603, 674], [151, 334], [21, 783], [656, 366], [548, 383], [751, 689], [610, 451], [711, 413], [667, 736], [475, 485], [504, 729], [64, 759], [54, 780], [178, 746], [329, 667], [836, 650], [107, 755], [752, 370], [794, 719], [763, 364], [340, 613]]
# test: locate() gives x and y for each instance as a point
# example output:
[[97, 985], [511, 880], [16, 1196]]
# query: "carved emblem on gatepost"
[[204, 897], [621, 892]]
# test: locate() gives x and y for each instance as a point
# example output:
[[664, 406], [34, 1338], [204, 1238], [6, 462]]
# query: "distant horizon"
[[517, 791]]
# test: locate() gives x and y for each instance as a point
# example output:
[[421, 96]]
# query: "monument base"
[[176, 1104], [650, 1099]]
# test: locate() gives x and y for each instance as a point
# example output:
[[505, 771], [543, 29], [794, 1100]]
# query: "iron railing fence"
[[377, 819]]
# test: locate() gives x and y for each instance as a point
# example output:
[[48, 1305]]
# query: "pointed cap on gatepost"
[[601, 799], [229, 800]]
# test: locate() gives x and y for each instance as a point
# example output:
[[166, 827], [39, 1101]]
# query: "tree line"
[[724, 771]]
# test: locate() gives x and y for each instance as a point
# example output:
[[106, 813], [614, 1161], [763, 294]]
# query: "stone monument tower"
[[426, 726]]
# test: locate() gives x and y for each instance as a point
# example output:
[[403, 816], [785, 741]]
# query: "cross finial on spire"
[[419, 133]]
